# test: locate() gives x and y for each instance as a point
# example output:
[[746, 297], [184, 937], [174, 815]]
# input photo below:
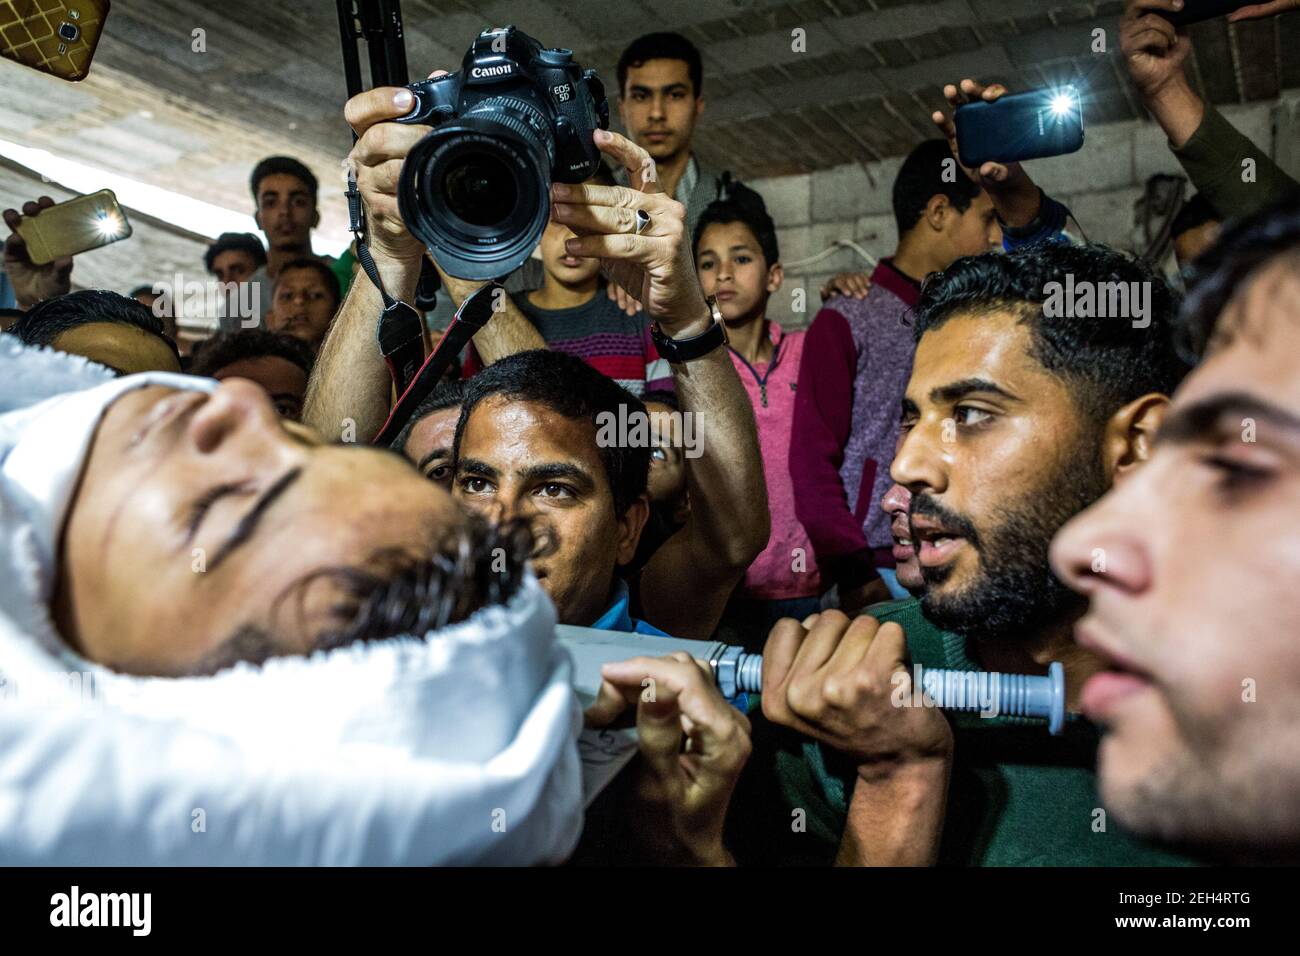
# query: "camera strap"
[[400, 332], [472, 315]]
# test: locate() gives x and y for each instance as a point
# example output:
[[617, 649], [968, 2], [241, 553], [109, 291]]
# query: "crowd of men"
[[941, 471]]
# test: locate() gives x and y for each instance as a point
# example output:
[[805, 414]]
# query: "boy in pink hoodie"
[[738, 261]]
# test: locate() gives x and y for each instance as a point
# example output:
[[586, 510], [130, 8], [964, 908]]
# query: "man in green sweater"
[[1018, 414], [1234, 175], [1194, 609]]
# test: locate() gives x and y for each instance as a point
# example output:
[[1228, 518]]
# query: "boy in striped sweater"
[[573, 314]]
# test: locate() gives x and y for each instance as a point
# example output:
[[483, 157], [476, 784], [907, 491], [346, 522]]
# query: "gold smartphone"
[[54, 36], [77, 225]]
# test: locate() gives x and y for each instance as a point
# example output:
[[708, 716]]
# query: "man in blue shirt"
[[528, 446]]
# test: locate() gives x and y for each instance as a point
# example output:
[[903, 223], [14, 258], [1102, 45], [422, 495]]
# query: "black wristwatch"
[[677, 351]]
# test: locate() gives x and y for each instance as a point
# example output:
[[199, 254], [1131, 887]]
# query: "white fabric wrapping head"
[[458, 747]]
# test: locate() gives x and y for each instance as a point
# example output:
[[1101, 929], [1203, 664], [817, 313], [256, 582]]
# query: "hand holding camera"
[[516, 117], [639, 235], [1153, 47], [33, 283], [378, 157], [1014, 194]]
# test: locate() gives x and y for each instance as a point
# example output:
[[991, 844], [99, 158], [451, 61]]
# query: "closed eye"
[[210, 498], [1235, 476]]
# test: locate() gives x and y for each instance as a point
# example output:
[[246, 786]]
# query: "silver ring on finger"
[[642, 221]]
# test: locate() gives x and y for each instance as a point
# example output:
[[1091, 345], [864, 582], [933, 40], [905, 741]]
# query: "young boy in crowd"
[[738, 261], [573, 315], [306, 297]]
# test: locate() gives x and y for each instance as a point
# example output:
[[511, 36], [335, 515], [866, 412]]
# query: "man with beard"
[[1016, 417]]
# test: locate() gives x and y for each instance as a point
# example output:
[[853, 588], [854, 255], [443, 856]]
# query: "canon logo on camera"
[[482, 71]]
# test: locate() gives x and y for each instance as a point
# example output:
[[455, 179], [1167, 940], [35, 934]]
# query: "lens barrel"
[[476, 191]]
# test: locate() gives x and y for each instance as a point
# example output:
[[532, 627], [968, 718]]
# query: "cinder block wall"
[[1100, 184]]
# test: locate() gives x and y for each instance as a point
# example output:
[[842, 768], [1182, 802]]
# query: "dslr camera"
[[476, 190]]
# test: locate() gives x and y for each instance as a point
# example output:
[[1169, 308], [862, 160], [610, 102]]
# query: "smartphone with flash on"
[[78, 225], [1019, 126], [1197, 11]]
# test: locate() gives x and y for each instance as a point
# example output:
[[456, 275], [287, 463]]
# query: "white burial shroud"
[[457, 747]]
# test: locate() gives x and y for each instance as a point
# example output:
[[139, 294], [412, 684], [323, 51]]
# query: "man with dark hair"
[[215, 460], [104, 327], [684, 589], [537, 441], [660, 99], [528, 444], [284, 194], [305, 300], [281, 364], [132, 504], [859, 349], [856, 360], [428, 439], [1193, 612], [234, 256], [1194, 229], [1018, 414]]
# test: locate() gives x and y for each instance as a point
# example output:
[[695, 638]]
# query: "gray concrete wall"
[[1100, 184]]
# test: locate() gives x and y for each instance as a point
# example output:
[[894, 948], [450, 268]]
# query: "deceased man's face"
[[197, 514]]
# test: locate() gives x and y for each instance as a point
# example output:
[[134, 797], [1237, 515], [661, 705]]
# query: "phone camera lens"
[[69, 31]]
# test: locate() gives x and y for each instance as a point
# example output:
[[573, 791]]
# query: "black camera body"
[[517, 117]]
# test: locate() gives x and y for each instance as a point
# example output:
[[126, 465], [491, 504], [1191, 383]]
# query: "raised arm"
[[350, 383], [686, 584], [1211, 150], [508, 332], [1015, 197]]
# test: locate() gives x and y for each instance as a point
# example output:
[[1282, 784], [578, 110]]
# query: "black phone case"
[[1196, 11], [1016, 127]]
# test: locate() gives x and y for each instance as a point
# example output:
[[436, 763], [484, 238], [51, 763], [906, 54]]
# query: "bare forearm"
[[350, 388], [896, 819], [1018, 204], [728, 524], [1178, 110], [727, 492], [508, 332]]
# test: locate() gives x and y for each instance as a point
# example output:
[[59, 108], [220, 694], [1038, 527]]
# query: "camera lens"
[[476, 191], [69, 31], [480, 189]]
